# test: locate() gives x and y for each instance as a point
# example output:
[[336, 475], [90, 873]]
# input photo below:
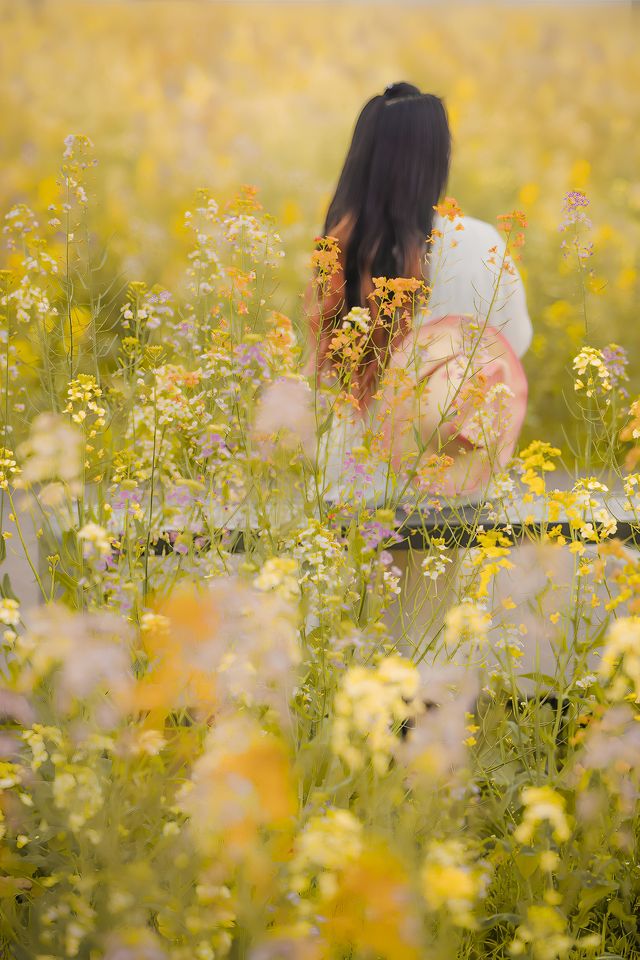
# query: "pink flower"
[[285, 413]]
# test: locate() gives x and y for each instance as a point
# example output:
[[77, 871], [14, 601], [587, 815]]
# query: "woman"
[[384, 219]]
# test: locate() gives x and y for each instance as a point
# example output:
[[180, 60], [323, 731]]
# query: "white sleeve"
[[509, 313], [466, 265]]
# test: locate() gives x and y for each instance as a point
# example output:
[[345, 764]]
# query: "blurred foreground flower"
[[544, 935], [620, 663], [82, 656], [53, 452], [225, 643], [613, 742], [369, 702], [434, 751], [281, 575], [285, 415], [466, 627], [454, 880], [95, 540], [140, 944], [373, 909], [543, 805], [630, 433], [322, 849], [241, 785]]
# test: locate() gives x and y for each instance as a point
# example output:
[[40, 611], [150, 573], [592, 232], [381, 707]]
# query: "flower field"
[[541, 101], [246, 718]]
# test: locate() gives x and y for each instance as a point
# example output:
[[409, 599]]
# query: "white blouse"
[[464, 275]]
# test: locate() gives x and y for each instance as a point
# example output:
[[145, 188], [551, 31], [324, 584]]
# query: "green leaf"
[[539, 678], [527, 863], [418, 438], [616, 907], [592, 895], [489, 922], [6, 590], [63, 579], [324, 426]]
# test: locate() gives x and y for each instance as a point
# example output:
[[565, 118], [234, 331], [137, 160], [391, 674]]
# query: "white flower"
[[435, 563], [358, 318]]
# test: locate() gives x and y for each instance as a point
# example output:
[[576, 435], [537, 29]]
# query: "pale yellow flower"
[[281, 575], [453, 879], [9, 611], [326, 844], [543, 805], [620, 662], [8, 467], [96, 539], [592, 372], [370, 700]]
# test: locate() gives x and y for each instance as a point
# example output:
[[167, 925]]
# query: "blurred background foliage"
[[177, 95]]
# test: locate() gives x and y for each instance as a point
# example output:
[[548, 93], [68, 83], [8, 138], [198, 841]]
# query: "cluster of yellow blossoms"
[[369, 703]]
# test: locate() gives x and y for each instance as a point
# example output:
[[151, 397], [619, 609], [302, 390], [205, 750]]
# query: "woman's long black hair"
[[395, 171]]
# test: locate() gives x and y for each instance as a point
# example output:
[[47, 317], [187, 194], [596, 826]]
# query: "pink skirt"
[[453, 390]]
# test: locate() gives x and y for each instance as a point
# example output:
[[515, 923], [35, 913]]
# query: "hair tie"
[[390, 94]]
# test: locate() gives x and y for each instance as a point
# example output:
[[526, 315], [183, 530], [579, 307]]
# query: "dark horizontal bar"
[[461, 536], [459, 527]]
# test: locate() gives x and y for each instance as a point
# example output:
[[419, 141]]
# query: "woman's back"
[[467, 274], [467, 277]]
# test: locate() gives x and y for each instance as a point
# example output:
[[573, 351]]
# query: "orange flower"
[[240, 785], [449, 208], [179, 638], [325, 260], [372, 907], [246, 200], [507, 222], [280, 340], [394, 293]]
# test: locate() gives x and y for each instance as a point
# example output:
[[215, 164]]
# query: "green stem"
[[24, 545]]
